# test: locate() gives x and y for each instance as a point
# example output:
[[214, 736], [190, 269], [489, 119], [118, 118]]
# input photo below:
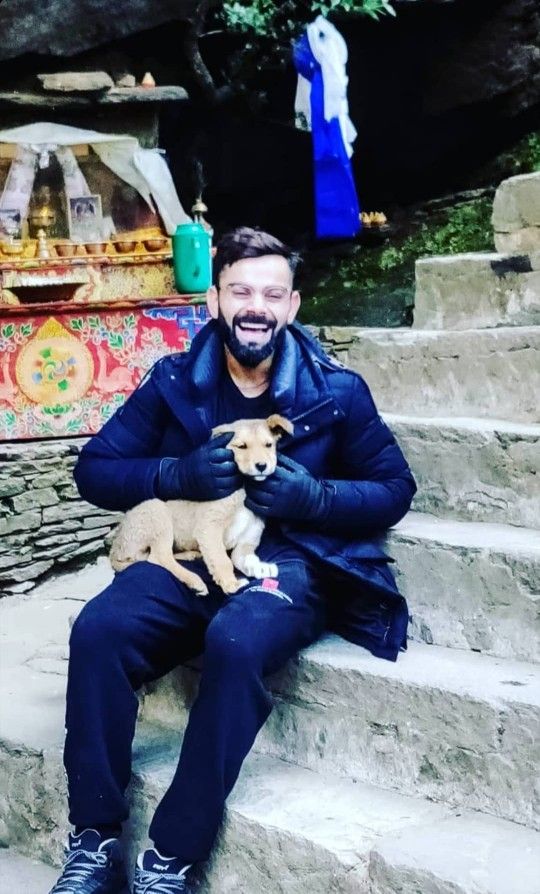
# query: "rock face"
[[65, 29], [496, 55]]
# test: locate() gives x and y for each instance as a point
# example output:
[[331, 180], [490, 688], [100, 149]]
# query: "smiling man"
[[253, 304], [341, 480]]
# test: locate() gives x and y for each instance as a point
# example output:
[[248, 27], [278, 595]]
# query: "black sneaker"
[[155, 874], [92, 866]]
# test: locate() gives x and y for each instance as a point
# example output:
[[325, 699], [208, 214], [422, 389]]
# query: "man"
[[340, 481]]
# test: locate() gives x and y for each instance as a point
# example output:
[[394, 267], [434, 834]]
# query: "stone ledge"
[[457, 855], [18, 873], [516, 214], [450, 725], [488, 373], [473, 469], [470, 585], [284, 824], [477, 291], [517, 203]]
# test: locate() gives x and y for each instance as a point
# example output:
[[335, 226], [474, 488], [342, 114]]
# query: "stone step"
[[476, 291], [473, 469], [19, 873], [285, 826], [473, 854], [491, 373], [454, 726], [470, 585], [451, 725], [516, 214], [453, 717]]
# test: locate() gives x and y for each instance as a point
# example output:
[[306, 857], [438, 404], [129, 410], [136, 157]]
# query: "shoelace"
[[159, 883], [74, 873]]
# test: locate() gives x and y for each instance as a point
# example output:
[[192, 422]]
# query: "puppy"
[[152, 530]]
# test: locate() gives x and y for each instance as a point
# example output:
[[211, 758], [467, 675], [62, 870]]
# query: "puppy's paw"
[[229, 585], [197, 584], [253, 567]]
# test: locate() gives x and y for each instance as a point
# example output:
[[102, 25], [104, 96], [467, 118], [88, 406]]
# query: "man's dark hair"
[[250, 242]]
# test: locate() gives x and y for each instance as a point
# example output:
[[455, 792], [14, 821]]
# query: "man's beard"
[[249, 355]]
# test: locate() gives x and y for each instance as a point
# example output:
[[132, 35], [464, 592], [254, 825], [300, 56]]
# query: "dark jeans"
[[143, 625]]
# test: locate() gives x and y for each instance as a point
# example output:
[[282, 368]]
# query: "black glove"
[[207, 473], [290, 493]]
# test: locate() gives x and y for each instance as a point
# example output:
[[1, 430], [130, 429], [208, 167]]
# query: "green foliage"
[[462, 228], [375, 286], [264, 18], [532, 151]]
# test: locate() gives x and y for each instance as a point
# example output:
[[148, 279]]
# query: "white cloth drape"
[[330, 51], [144, 169], [19, 182]]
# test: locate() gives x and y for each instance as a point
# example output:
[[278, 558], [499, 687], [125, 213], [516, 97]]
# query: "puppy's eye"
[[270, 444], [241, 446]]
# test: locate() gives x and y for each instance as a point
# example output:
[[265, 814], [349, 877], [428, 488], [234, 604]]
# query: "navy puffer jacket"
[[338, 436]]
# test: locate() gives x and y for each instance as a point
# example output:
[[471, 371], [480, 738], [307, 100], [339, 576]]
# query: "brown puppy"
[[152, 530]]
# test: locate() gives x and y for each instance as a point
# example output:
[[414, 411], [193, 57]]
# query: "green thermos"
[[191, 258]]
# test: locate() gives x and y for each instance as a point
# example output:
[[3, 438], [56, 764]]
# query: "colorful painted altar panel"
[[65, 373]]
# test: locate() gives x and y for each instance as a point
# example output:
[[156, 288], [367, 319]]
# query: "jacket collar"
[[298, 386]]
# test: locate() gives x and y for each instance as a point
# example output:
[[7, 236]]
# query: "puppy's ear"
[[279, 426], [225, 429]]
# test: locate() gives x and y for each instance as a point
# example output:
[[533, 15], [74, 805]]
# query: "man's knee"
[[98, 627], [229, 644]]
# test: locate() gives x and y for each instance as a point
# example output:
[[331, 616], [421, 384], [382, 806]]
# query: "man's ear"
[[212, 302], [295, 306], [279, 426]]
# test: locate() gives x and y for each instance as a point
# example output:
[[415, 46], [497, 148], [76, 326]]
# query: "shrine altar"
[[87, 292]]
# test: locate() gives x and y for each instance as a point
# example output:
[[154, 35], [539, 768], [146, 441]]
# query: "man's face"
[[253, 304]]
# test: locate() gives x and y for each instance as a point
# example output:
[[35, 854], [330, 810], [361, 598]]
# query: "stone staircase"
[[419, 777]]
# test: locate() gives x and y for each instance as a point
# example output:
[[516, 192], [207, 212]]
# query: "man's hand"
[[207, 473], [290, 493]]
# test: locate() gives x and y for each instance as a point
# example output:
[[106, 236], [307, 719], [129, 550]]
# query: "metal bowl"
[[124, 246], [156, 243], [65, 249], [96, 248]]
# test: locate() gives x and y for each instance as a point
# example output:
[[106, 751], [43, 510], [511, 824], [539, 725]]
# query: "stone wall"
[[44, 525]]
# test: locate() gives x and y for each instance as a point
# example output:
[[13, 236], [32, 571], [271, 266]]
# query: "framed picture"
[[10, 223], [85, 218]]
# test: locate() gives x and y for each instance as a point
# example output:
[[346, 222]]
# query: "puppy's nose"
[[261, 467]]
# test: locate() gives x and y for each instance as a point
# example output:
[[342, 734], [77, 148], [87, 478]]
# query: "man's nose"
[[257, 301]]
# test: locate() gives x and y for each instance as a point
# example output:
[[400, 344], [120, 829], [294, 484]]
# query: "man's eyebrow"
[[246, 285]]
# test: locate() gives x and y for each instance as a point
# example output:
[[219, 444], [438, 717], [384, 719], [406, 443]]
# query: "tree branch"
[[202, 76]]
